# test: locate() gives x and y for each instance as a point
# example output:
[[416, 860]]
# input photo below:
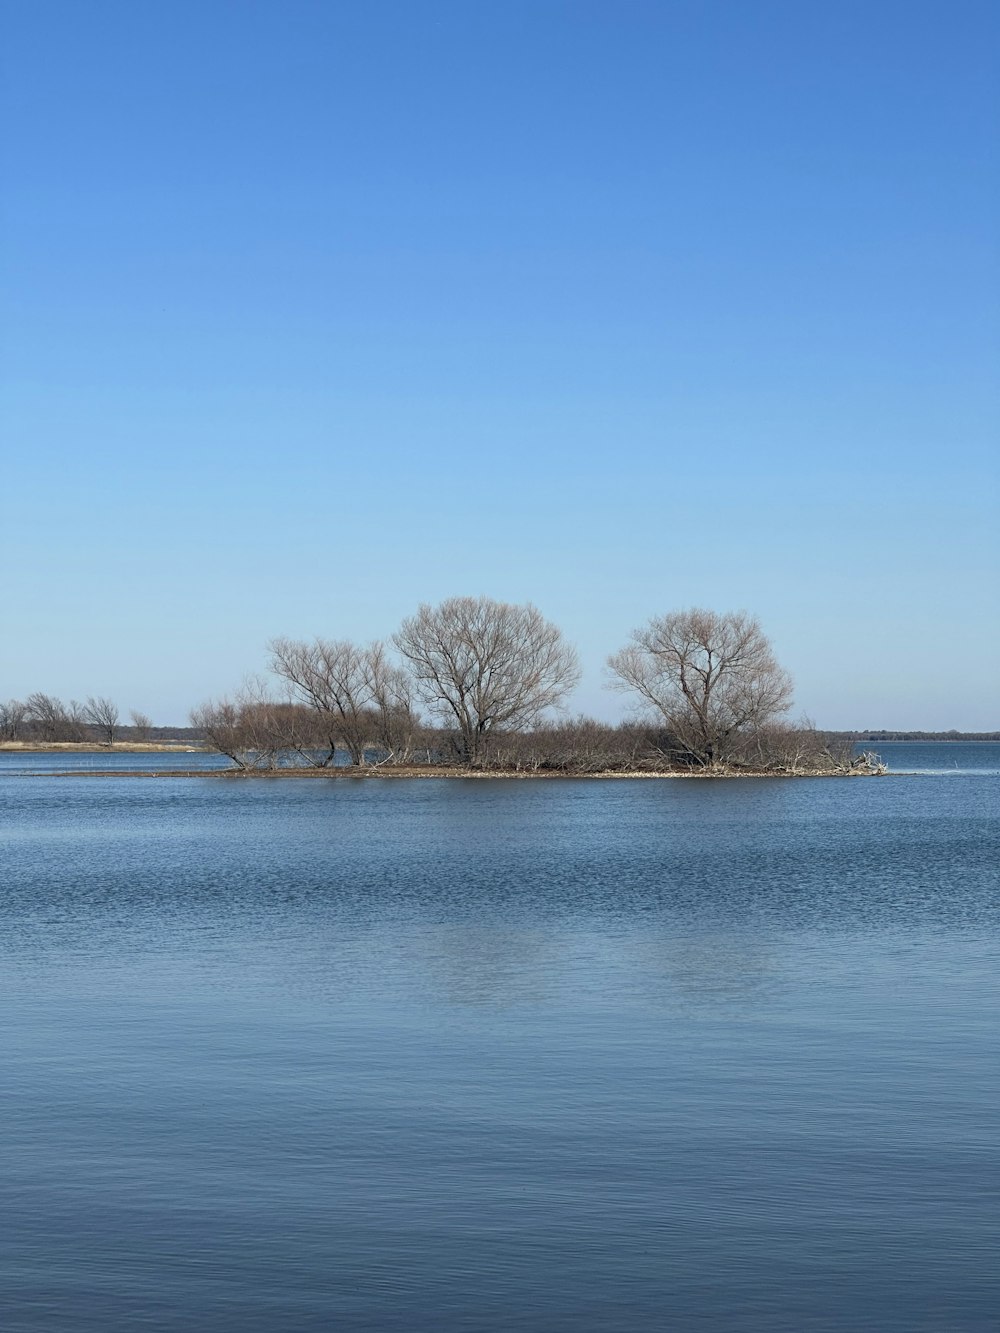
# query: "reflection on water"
[[461, 1055], [709, 968]]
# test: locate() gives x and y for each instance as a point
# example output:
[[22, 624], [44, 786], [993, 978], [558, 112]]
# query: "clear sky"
[[313, 311]]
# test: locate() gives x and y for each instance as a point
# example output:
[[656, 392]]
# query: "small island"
[[474, 689]]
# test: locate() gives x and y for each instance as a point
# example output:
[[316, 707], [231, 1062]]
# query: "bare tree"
[[792, 747], [336, 678], [49, 719], [102, 714], [483, 664], [395, 721], [142, 724], [300, 734], [713, 677], [358, 697], [13, 715], [246, 729], [76, 721]]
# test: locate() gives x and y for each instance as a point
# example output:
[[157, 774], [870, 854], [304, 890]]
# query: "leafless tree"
[[791, 747], [395, 722], [49, 719], [336, 679], [713, 677], [102, 715], [13, 715], [45, 715], [246, 729], [485, 665], [300, 735], [76, 718], [357, 695], [142, 725]]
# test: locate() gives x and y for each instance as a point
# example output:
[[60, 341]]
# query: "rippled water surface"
[[439, 1054]]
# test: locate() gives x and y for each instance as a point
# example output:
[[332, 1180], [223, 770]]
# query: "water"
[[939, 756], [20, 762], [439, 1054], [96, 762]]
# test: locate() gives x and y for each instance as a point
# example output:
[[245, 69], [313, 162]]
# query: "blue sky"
[[314, 311]]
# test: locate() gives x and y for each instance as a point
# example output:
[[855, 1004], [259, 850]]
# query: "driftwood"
[[869, 762]]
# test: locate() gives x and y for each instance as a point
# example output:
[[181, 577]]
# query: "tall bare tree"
[[713, 677], [338, 679], [102, 715], [485, 665], [394, 717], [13, 715], [49, 719], [142, 724]]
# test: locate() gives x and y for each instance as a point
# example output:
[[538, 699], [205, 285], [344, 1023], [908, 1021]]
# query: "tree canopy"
[[485, 664], [712, 676]]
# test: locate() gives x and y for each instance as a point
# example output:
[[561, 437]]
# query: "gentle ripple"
[[302, 1055]]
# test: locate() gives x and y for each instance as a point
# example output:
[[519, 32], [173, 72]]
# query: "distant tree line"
[[45, 718], [874, 737], [478, 683]]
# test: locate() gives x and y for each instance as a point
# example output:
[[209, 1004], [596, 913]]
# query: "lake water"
[[458, 1055]]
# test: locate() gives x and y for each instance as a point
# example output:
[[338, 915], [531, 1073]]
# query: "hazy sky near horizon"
[[315, 311]]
